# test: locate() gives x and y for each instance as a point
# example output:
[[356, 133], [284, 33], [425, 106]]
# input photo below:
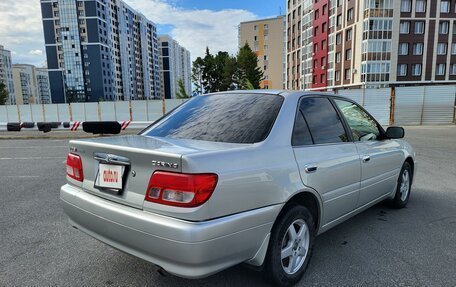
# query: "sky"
[[195, 24]]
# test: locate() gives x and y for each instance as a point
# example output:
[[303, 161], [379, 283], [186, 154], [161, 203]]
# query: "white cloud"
[[36, 52], [196, 29], [21, 29]]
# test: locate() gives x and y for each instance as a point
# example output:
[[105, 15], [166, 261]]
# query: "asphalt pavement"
[[415, 246]]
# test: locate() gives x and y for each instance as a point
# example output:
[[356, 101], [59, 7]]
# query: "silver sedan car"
[[243, 176]]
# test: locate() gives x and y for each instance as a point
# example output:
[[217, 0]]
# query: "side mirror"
[[395, 133]]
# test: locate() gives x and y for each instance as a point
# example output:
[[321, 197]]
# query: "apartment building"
[[175, 65], [370, 43], [99, 50], [6, 74], [266, 37], [31, 85]]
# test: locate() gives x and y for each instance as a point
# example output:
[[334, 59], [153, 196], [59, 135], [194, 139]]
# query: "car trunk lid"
[[137, 158]]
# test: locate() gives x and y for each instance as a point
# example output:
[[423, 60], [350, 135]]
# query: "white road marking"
[[31, 158], [20, 176], [30, 147]]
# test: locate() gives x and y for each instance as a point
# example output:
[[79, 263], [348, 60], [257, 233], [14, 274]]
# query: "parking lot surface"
[[415, 246]]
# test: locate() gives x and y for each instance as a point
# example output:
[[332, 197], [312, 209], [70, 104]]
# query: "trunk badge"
[[165, 164]]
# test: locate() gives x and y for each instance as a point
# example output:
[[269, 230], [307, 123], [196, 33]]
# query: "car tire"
[[404, 186], [293, 236]]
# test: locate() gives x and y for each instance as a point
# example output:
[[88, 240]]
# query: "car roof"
[[273, 92], [284, 93]]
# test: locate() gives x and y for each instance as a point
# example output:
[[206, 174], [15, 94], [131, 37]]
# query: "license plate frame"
[[117, 186]]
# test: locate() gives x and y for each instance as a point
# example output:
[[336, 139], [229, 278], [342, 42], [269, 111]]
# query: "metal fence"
[[145, 111], [418, 105]]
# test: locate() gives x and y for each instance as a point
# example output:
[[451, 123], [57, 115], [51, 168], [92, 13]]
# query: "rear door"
[[381, 160], [327, 158]]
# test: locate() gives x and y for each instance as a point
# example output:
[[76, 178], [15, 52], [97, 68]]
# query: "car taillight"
[[74, 167], [180, 189]]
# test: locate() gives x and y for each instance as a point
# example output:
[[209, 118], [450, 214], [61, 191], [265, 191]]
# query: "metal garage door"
[[428, 105], [439, 104], [408, 105], [377, 103], [355, 95]]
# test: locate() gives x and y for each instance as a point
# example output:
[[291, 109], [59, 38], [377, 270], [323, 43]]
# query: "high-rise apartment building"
[[99, 49], [43, 86], [6, 74], [175, 65], [370, 43], [31, 85], [266, 37]]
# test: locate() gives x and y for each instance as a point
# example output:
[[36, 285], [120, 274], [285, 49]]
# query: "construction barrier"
[[94, 127]]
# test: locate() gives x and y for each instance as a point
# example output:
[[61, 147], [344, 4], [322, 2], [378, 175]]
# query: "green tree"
[[230, 75], [247, 62], [197, 75], [247, 85], [181, 93], [3, 94], [224, 72]]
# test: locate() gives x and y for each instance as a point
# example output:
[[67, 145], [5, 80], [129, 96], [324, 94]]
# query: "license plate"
[[109, 176]]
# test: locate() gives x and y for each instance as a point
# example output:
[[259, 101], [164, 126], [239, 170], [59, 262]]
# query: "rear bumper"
[[187, 249]]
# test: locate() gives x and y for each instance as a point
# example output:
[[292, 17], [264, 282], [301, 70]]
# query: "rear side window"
[[230, 118], [301, 133], [323, 120]]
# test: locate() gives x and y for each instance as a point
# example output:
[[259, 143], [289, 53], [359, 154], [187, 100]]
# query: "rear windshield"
[[230, 118]]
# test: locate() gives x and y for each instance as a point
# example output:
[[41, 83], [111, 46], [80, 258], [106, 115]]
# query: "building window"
[[402, 70], [441, 48], [416, 70], [338, 39], [453, 49], [444, 27], [444, 6], [349, 34], [440, 71], [420, 6], [347, 75], [339, 20], [453, 69], [350, 14], [418, 49], [404, 27], [338, 57], [406, 5], [403, 49], [337, 75], [348, 54], [419, 27]]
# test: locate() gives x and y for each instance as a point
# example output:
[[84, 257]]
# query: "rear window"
[[230, 118]]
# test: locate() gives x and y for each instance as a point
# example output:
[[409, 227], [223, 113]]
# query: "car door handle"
[[366, 158], [310, 168]]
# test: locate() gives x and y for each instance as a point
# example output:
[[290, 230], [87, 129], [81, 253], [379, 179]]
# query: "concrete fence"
[[138, 111]]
